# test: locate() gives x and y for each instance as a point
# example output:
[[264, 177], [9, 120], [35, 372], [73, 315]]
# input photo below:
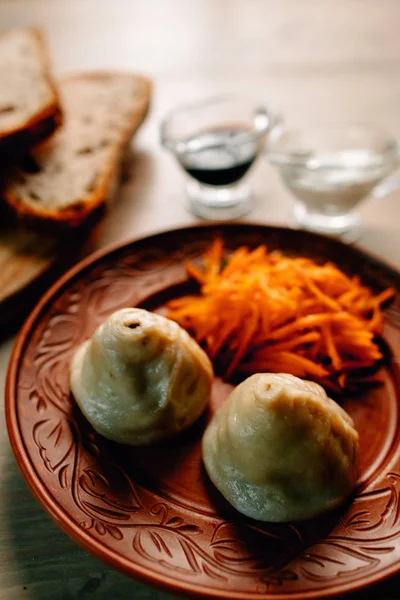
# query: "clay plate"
[[152, 513]]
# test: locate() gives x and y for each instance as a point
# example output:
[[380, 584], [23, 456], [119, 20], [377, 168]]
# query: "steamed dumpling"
[[280, 450], [140, 378]]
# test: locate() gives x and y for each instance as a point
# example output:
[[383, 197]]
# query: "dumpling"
[[280, 450], [141, 378]]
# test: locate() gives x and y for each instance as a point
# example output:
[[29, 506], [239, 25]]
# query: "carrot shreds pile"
[[264, 311]]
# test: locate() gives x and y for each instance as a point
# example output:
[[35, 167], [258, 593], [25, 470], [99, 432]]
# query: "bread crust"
[[17, 140], [76, 214]]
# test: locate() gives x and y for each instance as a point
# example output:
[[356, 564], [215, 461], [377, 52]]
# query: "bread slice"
[[29, 104], [69, 176]]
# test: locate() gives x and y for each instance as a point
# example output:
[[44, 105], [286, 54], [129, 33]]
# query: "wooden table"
[[336, 59]]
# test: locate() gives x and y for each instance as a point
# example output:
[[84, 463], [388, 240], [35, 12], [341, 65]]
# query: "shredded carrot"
[[195, 272], [331, 349], [264, 311]]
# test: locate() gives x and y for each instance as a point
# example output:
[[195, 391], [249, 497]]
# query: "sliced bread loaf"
[[29, 105], [69, 176]]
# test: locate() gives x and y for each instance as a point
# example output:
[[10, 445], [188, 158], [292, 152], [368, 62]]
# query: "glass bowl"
[[331, 169], [216, 141]]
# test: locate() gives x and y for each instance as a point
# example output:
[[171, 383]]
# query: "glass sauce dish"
[[216, 141], [331, 169]]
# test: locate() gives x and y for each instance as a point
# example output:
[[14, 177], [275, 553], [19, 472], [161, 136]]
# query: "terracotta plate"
[[152, 513]]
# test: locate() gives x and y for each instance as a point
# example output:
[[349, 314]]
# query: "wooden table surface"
[[325, 59]]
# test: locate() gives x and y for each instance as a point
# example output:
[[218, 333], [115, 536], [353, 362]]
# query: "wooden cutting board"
[[29, 262], [24, 256]]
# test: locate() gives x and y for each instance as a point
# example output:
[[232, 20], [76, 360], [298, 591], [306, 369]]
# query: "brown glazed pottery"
[[152, 512]]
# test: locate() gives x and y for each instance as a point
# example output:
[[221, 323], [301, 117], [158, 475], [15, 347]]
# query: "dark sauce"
[[217, 161]]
